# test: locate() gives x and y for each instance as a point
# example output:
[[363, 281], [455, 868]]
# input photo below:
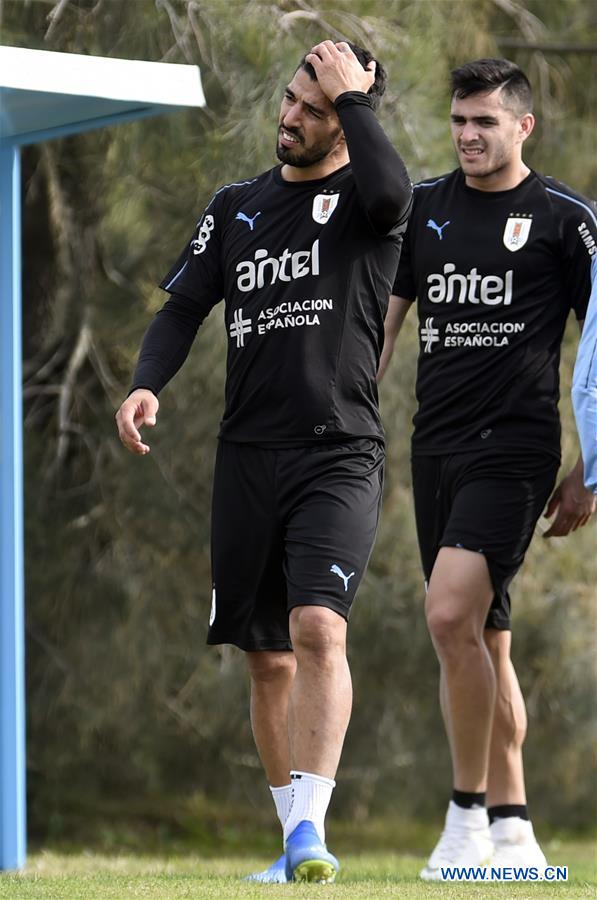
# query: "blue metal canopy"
[[45, 95]]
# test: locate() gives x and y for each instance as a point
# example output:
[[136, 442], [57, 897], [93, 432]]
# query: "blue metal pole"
[[12, 618]]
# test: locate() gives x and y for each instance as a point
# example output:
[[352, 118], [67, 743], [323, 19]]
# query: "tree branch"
[[54, 17]]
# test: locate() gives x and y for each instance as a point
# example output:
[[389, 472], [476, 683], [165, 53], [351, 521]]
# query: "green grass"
[[89, 875]]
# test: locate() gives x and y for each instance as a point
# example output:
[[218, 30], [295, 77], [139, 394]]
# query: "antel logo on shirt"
[[268, 269], [470, 288]]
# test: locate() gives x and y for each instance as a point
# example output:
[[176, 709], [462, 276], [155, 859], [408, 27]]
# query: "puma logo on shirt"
[[439, 228], [250, 221], [345, 578]]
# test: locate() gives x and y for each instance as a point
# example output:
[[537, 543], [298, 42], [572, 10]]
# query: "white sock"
[[283, 800], [311, 795]]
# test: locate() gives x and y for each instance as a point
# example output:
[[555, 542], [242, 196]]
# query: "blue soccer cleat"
[[276, 874], [307, 859]]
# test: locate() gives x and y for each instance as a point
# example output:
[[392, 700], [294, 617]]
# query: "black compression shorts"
[[484, 502], [290, 527]]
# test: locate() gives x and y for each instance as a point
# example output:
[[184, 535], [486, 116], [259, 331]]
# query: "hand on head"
[[338, 70]]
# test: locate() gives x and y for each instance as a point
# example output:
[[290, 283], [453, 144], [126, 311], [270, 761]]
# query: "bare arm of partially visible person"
[[395, 316]]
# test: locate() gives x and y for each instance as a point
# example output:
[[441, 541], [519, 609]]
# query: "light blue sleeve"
[[584, 386]]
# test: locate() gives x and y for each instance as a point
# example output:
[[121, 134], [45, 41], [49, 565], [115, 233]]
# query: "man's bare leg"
[[300, 709], [505, 784], [444, 706], [320, 706], [458, 599], [321, 696], [511, 831], [272, 674]]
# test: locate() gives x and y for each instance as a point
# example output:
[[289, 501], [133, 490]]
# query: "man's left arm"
[[572, 502], [381, 179]]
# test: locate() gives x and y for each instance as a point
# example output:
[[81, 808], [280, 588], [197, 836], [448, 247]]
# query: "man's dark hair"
[[377, 89], [490, 74]]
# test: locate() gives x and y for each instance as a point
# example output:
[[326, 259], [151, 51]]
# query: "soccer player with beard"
[[304, 256], [496, 256]]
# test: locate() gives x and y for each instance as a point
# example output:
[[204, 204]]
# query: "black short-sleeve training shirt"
[[495, 275]]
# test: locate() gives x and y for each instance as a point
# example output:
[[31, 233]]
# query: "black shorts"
[[485, 502], [290, 527]]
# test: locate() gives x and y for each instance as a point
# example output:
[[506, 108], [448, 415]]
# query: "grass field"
[[88, 875]]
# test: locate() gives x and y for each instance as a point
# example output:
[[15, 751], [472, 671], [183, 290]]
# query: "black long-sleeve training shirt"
[[305, 269]]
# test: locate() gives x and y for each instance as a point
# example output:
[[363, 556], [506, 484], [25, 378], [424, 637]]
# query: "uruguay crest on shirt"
[[323, 207], [517, 231]]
